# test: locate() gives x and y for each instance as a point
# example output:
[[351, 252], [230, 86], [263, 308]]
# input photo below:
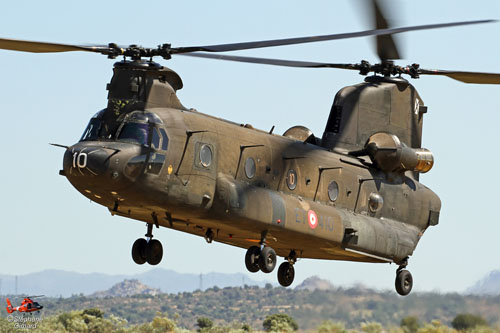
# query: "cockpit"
[[138, 127]]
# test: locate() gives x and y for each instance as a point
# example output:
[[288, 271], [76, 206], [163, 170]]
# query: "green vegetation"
[[467, 321], [247, 308], [94, 320], [410, 324], [280, 322]]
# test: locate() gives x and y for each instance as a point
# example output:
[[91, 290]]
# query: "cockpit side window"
[[164, 143], [155, 139], [135, 133]]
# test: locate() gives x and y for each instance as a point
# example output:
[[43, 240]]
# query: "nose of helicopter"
[[85, 161], [97, 169]]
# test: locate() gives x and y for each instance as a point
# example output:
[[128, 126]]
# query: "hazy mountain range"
[[489, 285], [62, 283], [56, 283]]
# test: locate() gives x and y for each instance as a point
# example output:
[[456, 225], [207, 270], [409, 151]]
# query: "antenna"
[[16, 284], [201, 282]]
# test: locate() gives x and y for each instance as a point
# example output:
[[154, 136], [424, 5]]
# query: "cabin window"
[[333, 190], [250, 168], [375, 202], [205, 156], [291, 179]]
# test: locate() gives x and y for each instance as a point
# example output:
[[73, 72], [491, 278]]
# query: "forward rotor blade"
[[302, 40], [467, 77], [386, 46], [267, 61], [42, 47]]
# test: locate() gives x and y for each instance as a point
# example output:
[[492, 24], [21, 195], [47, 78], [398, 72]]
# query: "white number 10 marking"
[[80, 160]]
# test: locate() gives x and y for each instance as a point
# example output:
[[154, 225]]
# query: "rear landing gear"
[[404, 280], [147, 250], [286, 272]]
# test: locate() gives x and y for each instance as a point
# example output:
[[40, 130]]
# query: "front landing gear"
[[404, 280], [252, 259], [257, 259], [147, 250]]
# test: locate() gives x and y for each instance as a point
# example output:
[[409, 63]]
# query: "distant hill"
[[489, 285], [127, 288], [57, 283], [315, 283], [230, 305]]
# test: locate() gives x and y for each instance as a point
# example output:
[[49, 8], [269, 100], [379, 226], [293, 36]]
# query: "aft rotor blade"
[[386, 46], [268, 61], [467, 77], [311, 39], [43, 47]]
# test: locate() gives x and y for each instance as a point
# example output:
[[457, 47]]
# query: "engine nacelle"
[[389, 154]]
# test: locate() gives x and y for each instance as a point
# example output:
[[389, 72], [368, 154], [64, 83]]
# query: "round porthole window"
[[375, 202], [333, 190], [250, 167], [291, 179], [205, 156]]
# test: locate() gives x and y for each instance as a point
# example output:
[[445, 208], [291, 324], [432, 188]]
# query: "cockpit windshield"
[[134, 127], [135, 133], [94, 129]]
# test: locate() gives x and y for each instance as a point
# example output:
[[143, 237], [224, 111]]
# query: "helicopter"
[[27, 305], [296, 196]]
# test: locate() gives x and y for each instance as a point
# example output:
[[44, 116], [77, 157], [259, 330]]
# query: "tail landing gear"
[[147, 250], [404, 280]]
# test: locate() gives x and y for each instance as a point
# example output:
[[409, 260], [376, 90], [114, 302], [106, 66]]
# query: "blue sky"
[[46, 98]]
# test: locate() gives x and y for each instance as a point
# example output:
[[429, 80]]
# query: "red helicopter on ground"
[[27, 306]]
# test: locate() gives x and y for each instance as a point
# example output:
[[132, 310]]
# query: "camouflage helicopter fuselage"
[[241, 186]]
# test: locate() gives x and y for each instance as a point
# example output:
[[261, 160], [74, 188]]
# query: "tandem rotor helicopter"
[[353, 194]]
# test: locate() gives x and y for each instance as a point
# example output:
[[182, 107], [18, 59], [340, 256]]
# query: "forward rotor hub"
[[136, 52]]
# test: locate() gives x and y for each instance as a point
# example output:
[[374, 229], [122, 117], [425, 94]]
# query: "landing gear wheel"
[[267, 259], [286, 273], [154, 252], [252, 259], [139, 251], [404, 282]]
